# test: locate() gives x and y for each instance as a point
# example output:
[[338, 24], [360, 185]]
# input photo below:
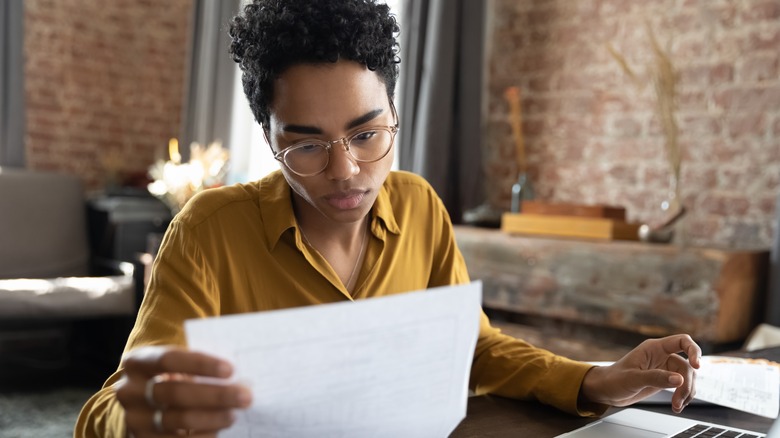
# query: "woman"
[[333, 224]]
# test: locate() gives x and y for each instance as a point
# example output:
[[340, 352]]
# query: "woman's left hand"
[[652, 366]]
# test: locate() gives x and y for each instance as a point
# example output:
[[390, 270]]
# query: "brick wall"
[[104, 83], [592, 136]]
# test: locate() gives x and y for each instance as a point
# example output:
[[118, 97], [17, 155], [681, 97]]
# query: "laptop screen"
[[774, 431]]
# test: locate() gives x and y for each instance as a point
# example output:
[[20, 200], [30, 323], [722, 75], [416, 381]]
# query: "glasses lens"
[[370, 145], [306, 159]]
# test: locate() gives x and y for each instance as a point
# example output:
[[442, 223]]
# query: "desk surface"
[[491, 416]]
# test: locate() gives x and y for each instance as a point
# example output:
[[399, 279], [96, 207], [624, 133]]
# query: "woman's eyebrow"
[[371, 115], [304, 129]]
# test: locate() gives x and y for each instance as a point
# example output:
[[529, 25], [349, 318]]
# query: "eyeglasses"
[[310, 157]]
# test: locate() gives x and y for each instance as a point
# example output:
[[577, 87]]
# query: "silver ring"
[[157, 420], [149, 391]]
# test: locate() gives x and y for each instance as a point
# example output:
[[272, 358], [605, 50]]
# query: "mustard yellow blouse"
[[238, 249]]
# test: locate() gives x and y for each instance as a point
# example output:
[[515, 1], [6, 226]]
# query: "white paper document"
[[381, 367], [743, 384]]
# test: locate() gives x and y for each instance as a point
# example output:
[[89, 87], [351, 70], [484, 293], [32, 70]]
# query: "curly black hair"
[[273, 35]]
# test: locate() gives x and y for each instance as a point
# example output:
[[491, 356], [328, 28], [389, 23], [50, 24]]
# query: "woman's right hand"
[[163, 396]]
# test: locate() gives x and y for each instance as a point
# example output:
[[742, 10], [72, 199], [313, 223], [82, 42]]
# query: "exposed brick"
[[94, 73], [539, 61], [721, 73], [728, 96], [746, 123], [626, 127], [693, 47], [542, 13], [699, 126], [655, 176], [745, 233], [699, 177], [766, 206], [763, 39], [743, 177], [614, 7], [633, 149], [622, 174], [533, 127], [760, 68], [724, 14], [540, 83], [753, 98], [725, 204], [613, 102], [770, 152], [692, 100], [701, 227], [761, 11]]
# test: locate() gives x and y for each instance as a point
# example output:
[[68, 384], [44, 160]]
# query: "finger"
[[127, 393], [142, 391], [152, 360], [690, 397], [682, 344], [659, 379], [173, 422], [199, 420], [679, 397], [680, 365], [182, 391], [191, 394], [684, 394], [140, 422], [694, 355]]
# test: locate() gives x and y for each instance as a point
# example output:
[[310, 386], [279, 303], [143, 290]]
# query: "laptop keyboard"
[[704, 431]]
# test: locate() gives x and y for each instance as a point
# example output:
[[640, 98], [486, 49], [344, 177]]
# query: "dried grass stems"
[[512, 96], [664, 79]]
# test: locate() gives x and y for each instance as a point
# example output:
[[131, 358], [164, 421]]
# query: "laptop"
[[637, 423]]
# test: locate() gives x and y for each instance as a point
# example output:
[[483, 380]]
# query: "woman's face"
[[328, 102]]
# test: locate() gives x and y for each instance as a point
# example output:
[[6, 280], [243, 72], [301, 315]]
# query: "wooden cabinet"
[[715, 295]]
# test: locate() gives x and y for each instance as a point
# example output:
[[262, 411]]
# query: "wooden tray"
[[557, 209], [569, 226]]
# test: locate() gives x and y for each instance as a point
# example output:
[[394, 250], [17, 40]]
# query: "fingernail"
[[675, 380]]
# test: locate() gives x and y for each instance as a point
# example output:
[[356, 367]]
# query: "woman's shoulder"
[[407, 190], [400, 180], [213, 202]]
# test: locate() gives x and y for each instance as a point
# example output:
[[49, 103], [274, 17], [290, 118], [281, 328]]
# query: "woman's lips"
[[346, 200]]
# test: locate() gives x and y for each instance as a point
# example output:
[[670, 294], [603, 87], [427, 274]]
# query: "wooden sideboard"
[[715, 295]]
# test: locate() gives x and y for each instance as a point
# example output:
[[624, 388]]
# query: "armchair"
[[48, 282]]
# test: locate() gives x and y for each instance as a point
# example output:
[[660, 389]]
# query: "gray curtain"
[[208, 101], [12, 119], [440, 97], [773, 301]]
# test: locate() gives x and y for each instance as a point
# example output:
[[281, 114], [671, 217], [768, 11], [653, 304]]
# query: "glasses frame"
[[346, 140]]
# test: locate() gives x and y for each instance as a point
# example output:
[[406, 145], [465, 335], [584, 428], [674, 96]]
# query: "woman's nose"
[[341, 165]]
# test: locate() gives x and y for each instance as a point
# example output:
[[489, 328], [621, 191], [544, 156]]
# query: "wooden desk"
[[491, 416]]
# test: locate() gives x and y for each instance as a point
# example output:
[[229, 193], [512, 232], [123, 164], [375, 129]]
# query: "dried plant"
[[512, 96], [664, 79]]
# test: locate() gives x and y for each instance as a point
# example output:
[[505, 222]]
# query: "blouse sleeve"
[[180, 288]]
